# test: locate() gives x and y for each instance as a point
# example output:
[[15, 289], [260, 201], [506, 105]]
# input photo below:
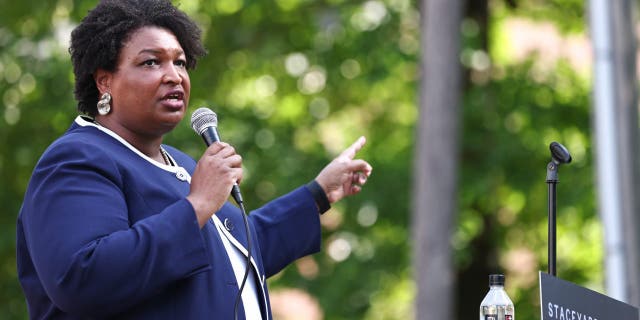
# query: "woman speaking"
[[116, 224]]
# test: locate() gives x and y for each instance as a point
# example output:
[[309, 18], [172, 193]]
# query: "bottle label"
[[494, 317]]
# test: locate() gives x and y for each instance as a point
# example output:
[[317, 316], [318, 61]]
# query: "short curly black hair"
[[97, 40]]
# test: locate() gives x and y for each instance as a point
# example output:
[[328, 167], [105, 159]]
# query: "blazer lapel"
[[230, 231]]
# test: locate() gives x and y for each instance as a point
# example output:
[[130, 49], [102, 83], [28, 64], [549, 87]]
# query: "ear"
[[103, 80]]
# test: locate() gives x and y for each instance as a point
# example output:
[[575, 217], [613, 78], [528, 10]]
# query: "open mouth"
[[174, 96]]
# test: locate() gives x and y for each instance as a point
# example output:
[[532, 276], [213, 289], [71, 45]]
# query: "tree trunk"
[[436, 158], [472, 279]]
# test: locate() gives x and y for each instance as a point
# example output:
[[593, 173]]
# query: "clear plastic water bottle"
[[497, 305]]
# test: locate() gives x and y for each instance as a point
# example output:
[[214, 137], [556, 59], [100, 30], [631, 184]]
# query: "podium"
[[563, 300]]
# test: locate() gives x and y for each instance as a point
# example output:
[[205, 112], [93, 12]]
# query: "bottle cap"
[[496, 280]]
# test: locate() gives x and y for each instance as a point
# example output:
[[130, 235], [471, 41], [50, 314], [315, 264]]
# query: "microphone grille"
[[202, 119], [559, 153]]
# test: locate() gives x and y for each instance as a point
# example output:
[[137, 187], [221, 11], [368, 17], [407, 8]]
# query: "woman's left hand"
[[345, 176]]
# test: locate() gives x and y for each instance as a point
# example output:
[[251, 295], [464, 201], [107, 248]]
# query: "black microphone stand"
[[552, 181], [559, 155]]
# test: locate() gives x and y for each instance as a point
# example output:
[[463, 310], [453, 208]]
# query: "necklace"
[[165, 156]]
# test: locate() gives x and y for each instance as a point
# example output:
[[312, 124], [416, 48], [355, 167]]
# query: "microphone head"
[[559, 153], [203, 118]]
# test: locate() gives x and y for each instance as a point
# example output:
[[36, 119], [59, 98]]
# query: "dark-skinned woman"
[[116, 224]]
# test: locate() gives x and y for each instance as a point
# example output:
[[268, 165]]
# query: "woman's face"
[[150, 87]]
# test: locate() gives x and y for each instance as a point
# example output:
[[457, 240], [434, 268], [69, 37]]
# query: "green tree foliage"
[[294, 82], [567, 15]]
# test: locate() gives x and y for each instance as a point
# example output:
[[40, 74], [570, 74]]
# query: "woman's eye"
[[181, 63], [150, 62]]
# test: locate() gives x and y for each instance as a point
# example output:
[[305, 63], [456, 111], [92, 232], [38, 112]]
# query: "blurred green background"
[[296, 81]]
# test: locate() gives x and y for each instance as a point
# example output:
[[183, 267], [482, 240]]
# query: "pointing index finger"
[[351, 151]]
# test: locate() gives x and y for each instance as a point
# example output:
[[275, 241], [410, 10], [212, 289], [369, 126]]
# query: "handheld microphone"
[[205, 123]]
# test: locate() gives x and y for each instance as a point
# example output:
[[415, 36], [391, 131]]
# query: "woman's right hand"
[[219, 168]]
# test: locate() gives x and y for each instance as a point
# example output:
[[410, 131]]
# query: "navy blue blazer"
[[106, 232]]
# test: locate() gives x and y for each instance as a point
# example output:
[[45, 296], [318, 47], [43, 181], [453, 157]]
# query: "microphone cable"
[[248, 267]]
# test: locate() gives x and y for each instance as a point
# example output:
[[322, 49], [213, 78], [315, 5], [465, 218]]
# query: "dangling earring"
[[104, 105]]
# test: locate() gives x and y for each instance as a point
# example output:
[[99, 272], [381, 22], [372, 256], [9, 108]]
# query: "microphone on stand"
[[559, 155]]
